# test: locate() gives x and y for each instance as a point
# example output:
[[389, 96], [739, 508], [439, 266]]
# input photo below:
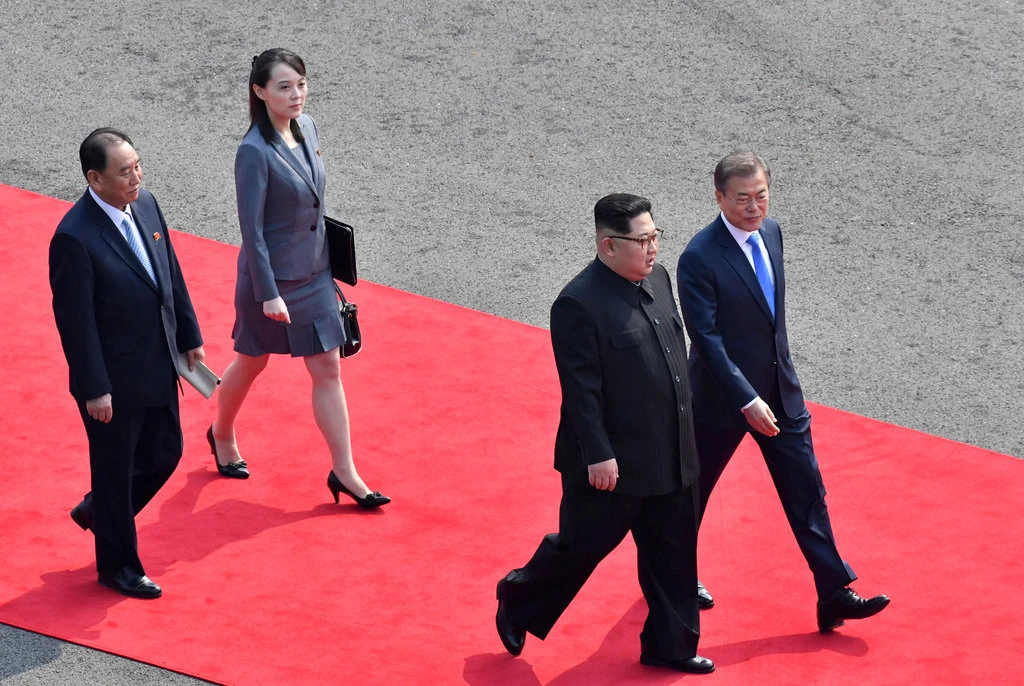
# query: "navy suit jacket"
[[737, 351], [280, 209], [119, 330], [621, 360]]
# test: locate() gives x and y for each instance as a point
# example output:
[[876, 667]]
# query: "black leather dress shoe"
[[704, 599], [127, 582], [693, 665], [846, 604], [82, 516], [512, 637]]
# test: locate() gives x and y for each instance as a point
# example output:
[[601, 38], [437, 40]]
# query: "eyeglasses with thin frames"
[[644, 241], [747, 200]]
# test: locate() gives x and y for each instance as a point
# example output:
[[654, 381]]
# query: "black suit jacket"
[[621, 359], [117, 328], [737, 351]]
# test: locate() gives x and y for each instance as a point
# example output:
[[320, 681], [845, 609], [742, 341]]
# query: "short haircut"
[[614, 212], [93, 151], [741, 163], [262, 65]]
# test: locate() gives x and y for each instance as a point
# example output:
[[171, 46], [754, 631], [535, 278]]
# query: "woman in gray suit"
[[284, 296]]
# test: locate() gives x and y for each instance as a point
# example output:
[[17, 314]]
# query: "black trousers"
[[130, 458], [794, 470], [591, 524]]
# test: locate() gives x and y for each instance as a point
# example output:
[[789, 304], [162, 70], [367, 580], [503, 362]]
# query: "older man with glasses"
[[732, 289]]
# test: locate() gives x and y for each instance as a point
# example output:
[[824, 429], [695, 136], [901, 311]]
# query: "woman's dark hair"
[[614, 212], [262, 65], [93, 150]]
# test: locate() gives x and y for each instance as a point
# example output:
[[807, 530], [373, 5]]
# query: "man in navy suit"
[[732, 289], [123, 314]]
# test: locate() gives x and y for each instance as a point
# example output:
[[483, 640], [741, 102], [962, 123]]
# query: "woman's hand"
[[277, 310]]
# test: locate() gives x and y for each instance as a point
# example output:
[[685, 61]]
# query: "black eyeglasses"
[[644, 241]]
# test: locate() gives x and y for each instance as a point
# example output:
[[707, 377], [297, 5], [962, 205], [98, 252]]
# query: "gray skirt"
[[312, 307]]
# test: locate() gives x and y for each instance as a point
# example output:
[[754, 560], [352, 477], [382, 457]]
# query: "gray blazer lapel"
[[313, 153], [289, 156]]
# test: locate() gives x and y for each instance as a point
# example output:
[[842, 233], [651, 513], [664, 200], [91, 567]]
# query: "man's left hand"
[[195, 355]]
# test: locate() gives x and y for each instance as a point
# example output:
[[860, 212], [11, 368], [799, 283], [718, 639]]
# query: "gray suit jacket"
[[280, 210]]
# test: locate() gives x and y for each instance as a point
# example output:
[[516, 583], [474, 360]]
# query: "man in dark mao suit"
[[624, 446], [123, 314], [732, 289]]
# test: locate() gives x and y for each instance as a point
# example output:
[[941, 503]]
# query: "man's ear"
[[93, 177]]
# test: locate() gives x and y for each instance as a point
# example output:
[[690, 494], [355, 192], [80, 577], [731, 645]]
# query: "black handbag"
[[341, 248], [350, 322]]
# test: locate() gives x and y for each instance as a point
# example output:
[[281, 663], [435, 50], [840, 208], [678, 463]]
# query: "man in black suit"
[[624, 446], [123, 314], [732, 289]]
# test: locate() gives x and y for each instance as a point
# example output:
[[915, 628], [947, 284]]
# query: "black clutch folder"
[[341, 246]]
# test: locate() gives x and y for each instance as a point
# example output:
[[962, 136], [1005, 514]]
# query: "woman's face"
[[284, 94]]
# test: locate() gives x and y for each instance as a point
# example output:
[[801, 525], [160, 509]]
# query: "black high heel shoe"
[[371, 501], [235, 470]]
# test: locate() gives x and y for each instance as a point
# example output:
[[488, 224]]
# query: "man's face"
[[119, 183], [625, 255], [745, 201]]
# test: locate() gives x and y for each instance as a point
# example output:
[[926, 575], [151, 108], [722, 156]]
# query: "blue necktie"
[[137, 249], [761, 269]]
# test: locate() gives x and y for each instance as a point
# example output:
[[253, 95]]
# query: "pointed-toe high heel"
[[234, 470], [371, 501]]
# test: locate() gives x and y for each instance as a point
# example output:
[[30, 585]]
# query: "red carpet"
[[268, 582]]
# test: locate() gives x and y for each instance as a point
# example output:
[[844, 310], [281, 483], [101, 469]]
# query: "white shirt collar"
[[739, 235], [114, 213]]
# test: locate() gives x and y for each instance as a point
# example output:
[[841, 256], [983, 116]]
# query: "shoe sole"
[[79, 519], [659, 662]]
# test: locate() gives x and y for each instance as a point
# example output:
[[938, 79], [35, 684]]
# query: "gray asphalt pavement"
[[468, 140]]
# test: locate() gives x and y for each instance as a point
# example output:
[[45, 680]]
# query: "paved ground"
[[468, 142]]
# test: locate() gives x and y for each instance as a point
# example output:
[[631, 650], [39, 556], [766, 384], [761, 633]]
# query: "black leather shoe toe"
[[846, 604], [693, 665], [512, 637], [127, 582], [704, 599]]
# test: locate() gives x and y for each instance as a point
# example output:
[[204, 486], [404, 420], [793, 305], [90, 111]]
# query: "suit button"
[[313, 228], [316, 204]]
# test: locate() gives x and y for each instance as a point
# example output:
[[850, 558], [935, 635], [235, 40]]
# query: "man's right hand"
[[101, 409], [604, 475], [761, 418]]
